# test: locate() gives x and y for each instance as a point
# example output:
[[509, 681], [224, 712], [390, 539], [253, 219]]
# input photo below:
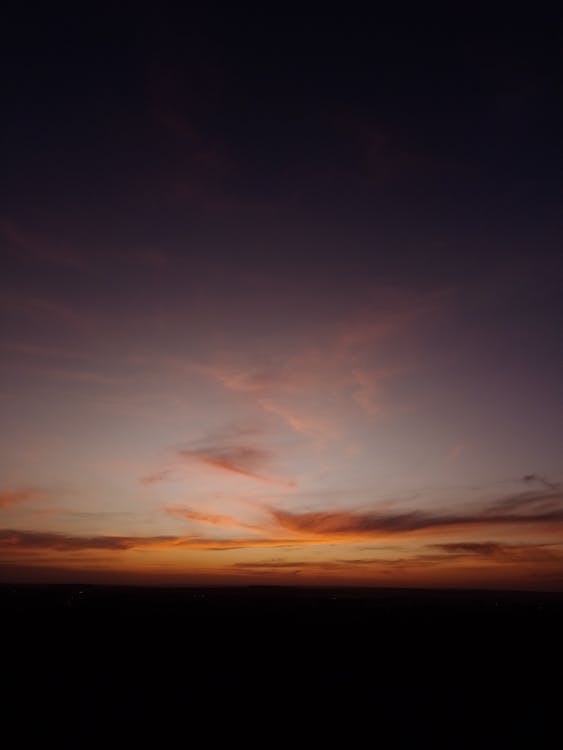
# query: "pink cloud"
[[155, 477], [243, 460], [9, 498], [305, 424], [214, 519]]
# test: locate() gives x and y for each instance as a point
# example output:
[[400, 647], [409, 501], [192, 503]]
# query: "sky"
[[280, 298]]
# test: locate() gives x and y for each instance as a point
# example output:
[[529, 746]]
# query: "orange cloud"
[[501, 552], [443, 555]]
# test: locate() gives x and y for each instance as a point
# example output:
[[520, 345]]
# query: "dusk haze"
[[280, 301]]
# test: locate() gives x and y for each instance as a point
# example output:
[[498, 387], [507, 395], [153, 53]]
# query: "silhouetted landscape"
[[471, 668]]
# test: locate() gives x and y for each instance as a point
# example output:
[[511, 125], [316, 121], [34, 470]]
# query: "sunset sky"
[[280, 300]]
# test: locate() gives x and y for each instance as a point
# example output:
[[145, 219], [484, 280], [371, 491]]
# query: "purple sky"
[[281, 302]]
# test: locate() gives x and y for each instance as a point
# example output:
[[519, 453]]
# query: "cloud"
[[299, 422], [64, 542], [536, 501], [509, 553], [283, 528], [543, 508], [335, 564], [155, 477], [232, 451], [236, 379], [244, 460], [345, 565], [266, 387], [444, 555], [365, 394], [273, 564], [14, 540], [310, 384], [304, 380], [15, 497], [484, 549], [238, 459], [346, 522], [214, 519], [536, 478]]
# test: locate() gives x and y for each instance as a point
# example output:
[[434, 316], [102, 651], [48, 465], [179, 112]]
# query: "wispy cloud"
[[238, 459], [482, 549], [366, 391], [273, 564], [8, 498], [244, 460], [235, 450], [314, 528], [534, 501], [525, 510], [14, 540], [538, 479], [298, 420], [284, 528], [336, 564], [155, 477], [214, 519], [541, 508], [442, 555], [237, 379], [502, 552], [343, 368]]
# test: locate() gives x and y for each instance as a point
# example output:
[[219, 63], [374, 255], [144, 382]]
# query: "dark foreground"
[[258, 666]]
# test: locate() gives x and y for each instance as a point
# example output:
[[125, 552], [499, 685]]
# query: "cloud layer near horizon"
[[532, 510], [165, 457]]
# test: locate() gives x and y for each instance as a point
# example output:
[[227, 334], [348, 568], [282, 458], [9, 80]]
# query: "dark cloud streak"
[[542, 508]]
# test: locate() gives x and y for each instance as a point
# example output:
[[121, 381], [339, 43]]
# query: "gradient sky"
[[281, 299]]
